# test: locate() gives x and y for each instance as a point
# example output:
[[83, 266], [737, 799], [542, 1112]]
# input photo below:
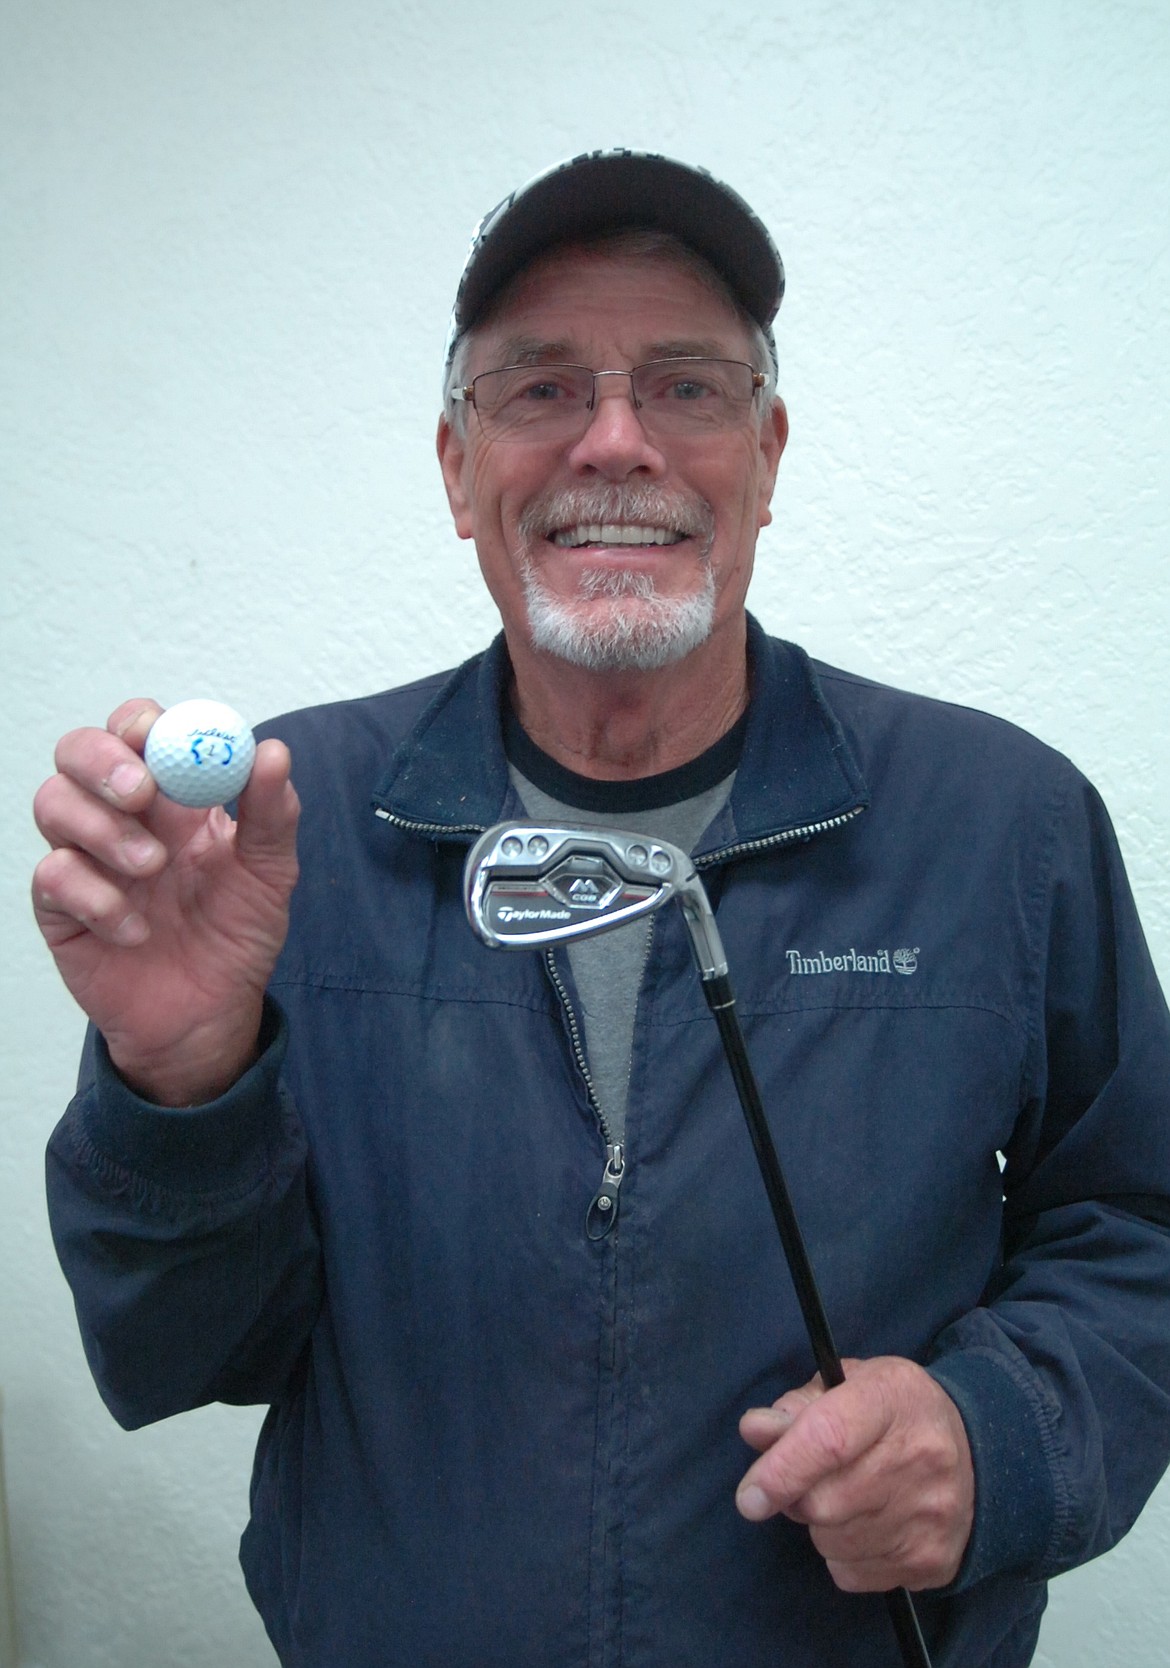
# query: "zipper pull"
[[602, 1213]]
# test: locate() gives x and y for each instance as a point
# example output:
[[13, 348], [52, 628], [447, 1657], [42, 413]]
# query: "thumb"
[[267, 810]]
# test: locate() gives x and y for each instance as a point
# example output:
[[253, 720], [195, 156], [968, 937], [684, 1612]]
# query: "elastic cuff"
[[1015, 1499], [220, 1147]]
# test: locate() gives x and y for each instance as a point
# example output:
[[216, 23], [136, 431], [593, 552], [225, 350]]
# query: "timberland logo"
[[853, 961]]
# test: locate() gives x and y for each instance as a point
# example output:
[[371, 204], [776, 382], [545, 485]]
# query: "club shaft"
[[722, 1004], [904, 1617], [721, 1001]]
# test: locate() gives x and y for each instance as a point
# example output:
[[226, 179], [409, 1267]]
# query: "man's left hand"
[[878, 1467]]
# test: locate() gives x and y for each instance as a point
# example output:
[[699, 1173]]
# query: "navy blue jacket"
[[494, 1440]]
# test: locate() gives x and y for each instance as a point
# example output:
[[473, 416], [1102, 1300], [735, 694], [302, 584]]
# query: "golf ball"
[[200, 753]]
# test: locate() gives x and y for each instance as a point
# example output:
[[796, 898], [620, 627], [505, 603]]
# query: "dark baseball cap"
[[608, 191]]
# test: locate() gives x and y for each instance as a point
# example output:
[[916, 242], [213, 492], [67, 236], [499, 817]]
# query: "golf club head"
[[529, 884]]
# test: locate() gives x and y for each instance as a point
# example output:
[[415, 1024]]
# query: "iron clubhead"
[[530, 884]]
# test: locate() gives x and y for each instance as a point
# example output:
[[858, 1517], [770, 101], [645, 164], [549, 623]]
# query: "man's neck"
[[622, 725]]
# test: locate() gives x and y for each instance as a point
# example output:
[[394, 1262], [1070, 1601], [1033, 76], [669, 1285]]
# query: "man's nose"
[[615, 443]]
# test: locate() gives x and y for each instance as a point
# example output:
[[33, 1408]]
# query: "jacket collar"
[[449, 778]]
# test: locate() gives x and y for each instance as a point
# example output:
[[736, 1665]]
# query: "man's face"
[[535, 510]]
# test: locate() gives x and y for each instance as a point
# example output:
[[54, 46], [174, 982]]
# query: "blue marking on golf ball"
[[200, 753]]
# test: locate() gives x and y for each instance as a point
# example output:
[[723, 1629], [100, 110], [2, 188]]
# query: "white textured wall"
[[229, 235]]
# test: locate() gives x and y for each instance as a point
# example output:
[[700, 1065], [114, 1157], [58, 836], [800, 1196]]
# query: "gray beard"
[[625, 625], [637, 630]]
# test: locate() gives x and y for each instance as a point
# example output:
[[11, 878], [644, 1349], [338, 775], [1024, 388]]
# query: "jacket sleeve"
[[1062, 1375], [187, 1238]]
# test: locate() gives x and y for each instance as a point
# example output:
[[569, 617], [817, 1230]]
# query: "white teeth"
[[614, 533]]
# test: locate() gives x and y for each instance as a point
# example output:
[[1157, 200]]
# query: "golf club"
[[529, 885]]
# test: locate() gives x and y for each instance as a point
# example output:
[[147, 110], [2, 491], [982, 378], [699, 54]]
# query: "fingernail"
[[779, 1417], [125, 779], [129, 721], [131, 930], [753, 1503]]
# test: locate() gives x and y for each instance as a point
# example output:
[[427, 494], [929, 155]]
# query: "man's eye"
[[546, 390], [688, 390]]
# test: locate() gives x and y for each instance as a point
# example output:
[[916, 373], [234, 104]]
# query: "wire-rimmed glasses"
[[544, 403]]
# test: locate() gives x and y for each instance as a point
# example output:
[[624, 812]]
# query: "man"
[[486, 1230]]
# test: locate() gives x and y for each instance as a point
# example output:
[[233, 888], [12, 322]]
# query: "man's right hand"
[[165, 922]]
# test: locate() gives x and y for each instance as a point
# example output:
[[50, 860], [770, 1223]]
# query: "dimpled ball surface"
[[200, 753]]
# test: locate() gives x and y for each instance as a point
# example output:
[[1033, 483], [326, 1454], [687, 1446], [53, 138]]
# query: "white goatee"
[[635, 631], [618, 622]]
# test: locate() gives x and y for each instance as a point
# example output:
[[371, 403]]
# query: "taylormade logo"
[[881, 961], [506, 913]]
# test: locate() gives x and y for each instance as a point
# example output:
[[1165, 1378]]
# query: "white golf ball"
[[200, 753]]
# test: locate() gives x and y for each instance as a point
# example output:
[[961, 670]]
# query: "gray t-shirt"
[[608, 969]]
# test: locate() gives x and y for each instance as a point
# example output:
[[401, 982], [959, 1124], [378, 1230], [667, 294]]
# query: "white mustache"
[[617, 503]]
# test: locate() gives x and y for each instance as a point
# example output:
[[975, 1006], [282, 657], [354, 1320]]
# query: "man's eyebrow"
[[534, 350], [689, 347]]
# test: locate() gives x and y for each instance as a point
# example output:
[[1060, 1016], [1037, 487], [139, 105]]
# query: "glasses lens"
[[682, 396], [534, 402]]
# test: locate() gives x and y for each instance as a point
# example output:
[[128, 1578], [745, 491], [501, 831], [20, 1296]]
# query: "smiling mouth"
[[617, 534]]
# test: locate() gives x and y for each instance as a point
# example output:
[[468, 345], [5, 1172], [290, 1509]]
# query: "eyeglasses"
[[545, 403]]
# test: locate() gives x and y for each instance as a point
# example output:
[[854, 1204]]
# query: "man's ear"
[[452, 450], [773, 439]]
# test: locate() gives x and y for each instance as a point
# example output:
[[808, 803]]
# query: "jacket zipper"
[[436, 830], [603, 1207], [599, 1223], [710, 858]]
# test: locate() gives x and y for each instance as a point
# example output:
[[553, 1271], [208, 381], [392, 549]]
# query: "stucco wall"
[[230, 233]]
